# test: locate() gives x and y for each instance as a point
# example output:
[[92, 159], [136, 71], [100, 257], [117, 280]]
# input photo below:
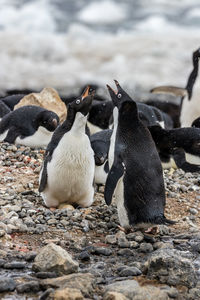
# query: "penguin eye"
[[78, 101], [119, 95]]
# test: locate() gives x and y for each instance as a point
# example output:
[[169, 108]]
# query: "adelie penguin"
[[68, 170], [136, 176], [178, 147], [29, 125], [100, 142], [190, 95]]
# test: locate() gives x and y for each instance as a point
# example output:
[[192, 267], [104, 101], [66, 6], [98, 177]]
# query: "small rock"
[[67, 294], [103, 251], [7, 284], [2, 262], [15, 265], [111, 239], [193, 211], [146, 247], [125, 287], [53, 258], [84, 256], [130, 271], [2, 232], [46, 294], [114, 296], [44, 275], [125, 252], [30, 256], [31, 286]]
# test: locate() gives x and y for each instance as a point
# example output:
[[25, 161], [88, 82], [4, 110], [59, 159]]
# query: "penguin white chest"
[[113, 138], [71, 170], [3, 135], [40, 138]]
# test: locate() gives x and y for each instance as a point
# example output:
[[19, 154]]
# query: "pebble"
[[146, 247], [15, 265], [7, 284], [103, 251], [130, 271], [28, 287], [84, 256]]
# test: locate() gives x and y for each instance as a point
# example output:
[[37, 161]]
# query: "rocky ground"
[[81, 253]]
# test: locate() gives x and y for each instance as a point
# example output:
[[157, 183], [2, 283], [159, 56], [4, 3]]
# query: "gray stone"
[[193, 211], [111, 239], [83, 282], [2, 232], [130, 271], [7, 284], [194, 294], [31, 286], [15, 265], [53, 258], [114, 296], [146, 247], [125, 287], [67, 294], [171, 267], [103, 251]]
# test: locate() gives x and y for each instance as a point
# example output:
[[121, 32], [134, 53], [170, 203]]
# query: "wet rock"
[[53, 258], [15, 265], [7, 284], [83, 282], [130, 271], [28, 287], [67, 294], [169, 266]]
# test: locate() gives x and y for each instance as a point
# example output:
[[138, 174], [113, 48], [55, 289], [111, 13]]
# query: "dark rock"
[[30, 256], [84, 256], [7, 284], [46, 294], [31, 286], [169, 266], [44, 275], [103, 251], [130, 271], [15, 265], [2, 262], [125, 252]]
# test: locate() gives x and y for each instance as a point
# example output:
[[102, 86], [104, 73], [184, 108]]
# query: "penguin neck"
[[79, 124]]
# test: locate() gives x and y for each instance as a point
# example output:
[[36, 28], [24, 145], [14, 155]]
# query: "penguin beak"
[[111, 91]]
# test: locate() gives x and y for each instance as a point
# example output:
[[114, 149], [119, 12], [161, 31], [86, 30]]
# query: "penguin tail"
[[168, 222]]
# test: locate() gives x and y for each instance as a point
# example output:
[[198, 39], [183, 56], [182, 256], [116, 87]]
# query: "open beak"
[[86, 92]]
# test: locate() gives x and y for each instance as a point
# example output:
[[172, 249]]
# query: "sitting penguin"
[[29, 125], [135, 176], [178, 147], [68, 170]]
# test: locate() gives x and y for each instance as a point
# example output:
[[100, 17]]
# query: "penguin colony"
[[121, 144]]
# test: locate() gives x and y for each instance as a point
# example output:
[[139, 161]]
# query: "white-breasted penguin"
[[68, 170], [190, 101], [178, 147], [28, 125], [136, 176], [100, 142]]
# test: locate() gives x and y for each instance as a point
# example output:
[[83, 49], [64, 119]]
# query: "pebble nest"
[[91, 235]]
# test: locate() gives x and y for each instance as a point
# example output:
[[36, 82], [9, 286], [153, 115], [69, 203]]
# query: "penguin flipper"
[[11, 135], [43, 180], [180, 160], [167, 89], [116, 172]]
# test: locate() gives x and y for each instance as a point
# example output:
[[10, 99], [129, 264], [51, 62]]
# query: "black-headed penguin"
[[135, 175], [28, 125], [68, 171]]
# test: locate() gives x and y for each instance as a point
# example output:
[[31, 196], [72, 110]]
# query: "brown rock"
[[114, 296], [48, 98], [67, 294], [83, 282]]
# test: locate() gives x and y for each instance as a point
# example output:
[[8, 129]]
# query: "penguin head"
[[196, 123], [196, 55], [48, 119], [119, 96], [83, 103]]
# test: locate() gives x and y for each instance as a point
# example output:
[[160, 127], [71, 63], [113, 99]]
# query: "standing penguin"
[[68, 170], [136, 175], [28, 125], [189, 108]]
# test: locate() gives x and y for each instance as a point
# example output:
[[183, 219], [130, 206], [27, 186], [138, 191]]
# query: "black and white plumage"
[[4, 109], [135, 175], [100, 143], [68, 170], [12, 100], [178, 147], [190, 99], [29, 125]]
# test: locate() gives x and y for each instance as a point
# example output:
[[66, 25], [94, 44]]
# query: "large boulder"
[[171, 267], [48, 98], [53, 258]]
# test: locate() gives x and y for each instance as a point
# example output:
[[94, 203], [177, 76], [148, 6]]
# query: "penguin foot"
[[125, 230], [152, 230]]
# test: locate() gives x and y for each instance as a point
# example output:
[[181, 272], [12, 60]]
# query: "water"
[[65, 44]]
